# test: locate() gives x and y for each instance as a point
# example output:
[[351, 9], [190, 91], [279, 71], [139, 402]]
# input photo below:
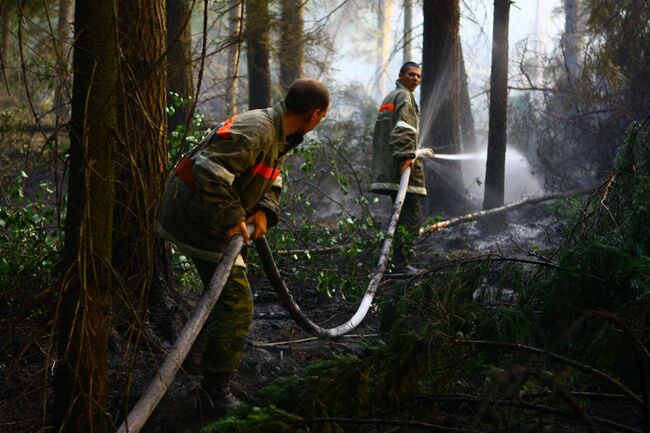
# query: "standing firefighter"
[[395, 147], [230, 180]]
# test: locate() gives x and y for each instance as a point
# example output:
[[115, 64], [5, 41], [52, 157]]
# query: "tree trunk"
[[85, 291], [384, 15], [408, 31], [4, 48], [574, 27], [235, 30], [138, 254], [497, 135], [466, 117], [258, 42], [440, 120], [63, 53], [179, 59], [291, 43]]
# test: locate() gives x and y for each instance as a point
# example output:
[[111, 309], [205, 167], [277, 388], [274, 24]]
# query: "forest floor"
[[277, 347]]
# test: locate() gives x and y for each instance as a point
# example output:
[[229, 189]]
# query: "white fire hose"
[[160, 383]]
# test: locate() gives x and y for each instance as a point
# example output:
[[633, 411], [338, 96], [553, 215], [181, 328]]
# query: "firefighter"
[[231, 179], [395, 147]]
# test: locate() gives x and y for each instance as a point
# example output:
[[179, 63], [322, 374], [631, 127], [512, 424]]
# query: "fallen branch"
[[305, 340], [476, 215]]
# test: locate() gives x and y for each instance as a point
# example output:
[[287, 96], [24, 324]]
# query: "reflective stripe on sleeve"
[[218, 170], [277, 182], [403, 124]]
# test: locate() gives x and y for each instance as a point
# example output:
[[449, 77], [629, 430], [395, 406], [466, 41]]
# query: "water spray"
[[474, 156]]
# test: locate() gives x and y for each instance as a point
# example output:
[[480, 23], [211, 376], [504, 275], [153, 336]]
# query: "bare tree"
[[235, 34], [384, 29], [85, 290], [440, 120], [572, 40], [138, 254], [4, 43], [468, 133], [408, 31], [258, 43], [292, 41], [179, 59], [497, 135], [62, 53]]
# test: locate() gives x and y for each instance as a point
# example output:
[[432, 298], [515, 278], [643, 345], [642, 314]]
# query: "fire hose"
[[160, 383]]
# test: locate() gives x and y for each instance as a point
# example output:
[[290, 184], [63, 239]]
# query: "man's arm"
[[214, 170], [403, 137]]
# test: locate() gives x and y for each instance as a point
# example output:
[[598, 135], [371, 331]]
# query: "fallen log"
[[505, 208]]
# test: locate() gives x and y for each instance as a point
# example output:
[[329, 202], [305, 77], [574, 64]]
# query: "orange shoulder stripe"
[[224, 130], [265, 171]]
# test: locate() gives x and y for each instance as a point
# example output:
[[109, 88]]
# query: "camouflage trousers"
[[410, 219], [225, 331]]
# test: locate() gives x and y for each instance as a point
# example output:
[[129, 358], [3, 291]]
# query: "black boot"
[[217, 398]]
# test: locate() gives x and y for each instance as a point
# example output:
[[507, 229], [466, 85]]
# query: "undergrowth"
[[488, 346]]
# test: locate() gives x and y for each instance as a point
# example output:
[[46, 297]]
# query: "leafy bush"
[[30, 242]]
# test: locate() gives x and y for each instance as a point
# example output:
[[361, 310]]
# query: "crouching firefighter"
[[232, 179]]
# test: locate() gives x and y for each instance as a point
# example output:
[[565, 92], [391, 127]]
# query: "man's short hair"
[[408, 65], [306, 94]]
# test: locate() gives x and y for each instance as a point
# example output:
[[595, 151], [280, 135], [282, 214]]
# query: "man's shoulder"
[[253, 123]]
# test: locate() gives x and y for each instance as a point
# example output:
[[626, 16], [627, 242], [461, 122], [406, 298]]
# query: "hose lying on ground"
[[161, 382], [281, 289]]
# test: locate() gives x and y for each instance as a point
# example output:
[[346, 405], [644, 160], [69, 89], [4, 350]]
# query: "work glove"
[[239, 228], [425, 152], [260, 221]]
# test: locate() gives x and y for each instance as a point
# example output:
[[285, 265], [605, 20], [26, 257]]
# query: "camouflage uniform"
[[234, 172], [395, 139]]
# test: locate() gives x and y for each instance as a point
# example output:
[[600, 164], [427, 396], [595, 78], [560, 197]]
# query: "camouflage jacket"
[[396, 139], [232, 173]]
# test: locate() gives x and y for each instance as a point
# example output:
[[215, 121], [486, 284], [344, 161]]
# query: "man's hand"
[[239, 228], [425, 152], [404, 164], [259, 220]]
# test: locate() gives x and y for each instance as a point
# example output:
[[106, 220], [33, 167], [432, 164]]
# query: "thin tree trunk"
[[440, 120], [408, 31], [258, 41], [291, 43], [179, 59], [384, 15], [4, 46], [234, 52], [468, 133], [497, 135], [573, 38], [85, 291], [138, 254], [63, 53]]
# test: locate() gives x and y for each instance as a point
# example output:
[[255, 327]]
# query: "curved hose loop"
[[264, 251]]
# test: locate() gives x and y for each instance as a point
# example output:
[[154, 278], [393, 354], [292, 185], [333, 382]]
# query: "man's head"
[[410, 74], [307, 100]]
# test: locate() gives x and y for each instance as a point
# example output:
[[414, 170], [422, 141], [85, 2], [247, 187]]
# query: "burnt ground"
[[275, 346], [278, 347]]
